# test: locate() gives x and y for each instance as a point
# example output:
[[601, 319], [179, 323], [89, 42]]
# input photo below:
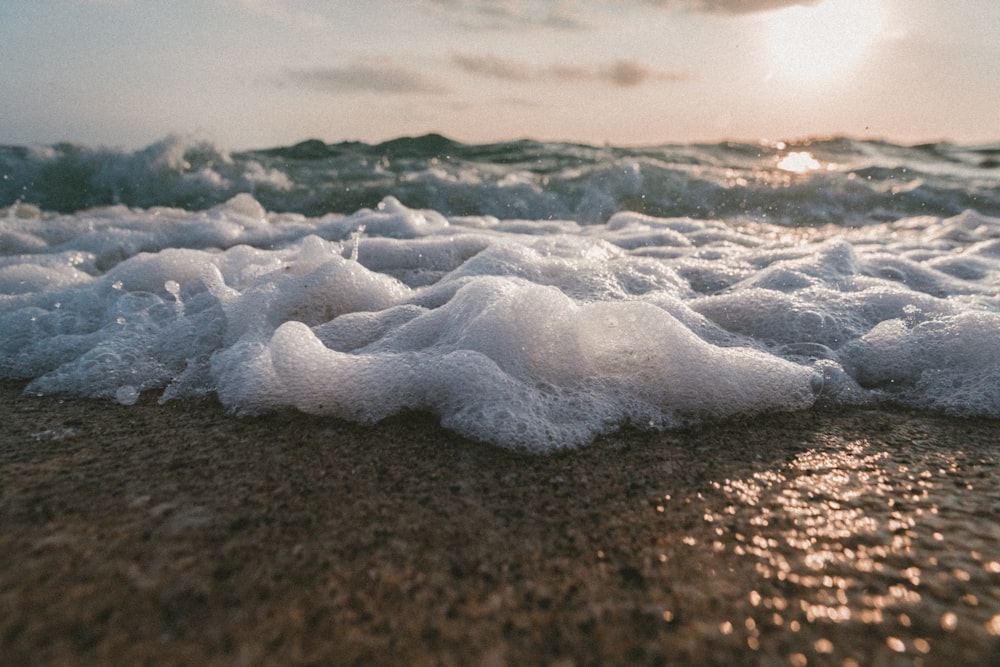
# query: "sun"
[[822, 42]]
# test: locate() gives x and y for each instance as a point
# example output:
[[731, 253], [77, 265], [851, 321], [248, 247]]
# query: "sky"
[[260, 73]]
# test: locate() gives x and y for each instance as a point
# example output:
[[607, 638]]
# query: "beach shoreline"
[[180, 534]]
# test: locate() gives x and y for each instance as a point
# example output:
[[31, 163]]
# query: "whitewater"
[[532, 295]]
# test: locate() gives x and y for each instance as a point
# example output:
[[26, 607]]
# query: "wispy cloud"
[[727, 6], [578, 14], [278, 10], [511, 14], [622, 73], [380, 77], [106, 3], [494, 67]]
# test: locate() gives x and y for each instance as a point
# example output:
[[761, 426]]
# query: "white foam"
[[523, 365], [531, 339]]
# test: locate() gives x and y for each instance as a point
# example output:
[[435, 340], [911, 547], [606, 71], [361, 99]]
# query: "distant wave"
[[851, 182]]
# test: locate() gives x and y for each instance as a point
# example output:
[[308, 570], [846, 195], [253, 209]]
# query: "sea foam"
[[538, 334]]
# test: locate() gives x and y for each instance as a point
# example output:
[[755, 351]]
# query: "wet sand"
[[178, 534]]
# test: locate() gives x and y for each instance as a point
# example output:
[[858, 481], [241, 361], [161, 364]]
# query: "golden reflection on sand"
[[839, 544]]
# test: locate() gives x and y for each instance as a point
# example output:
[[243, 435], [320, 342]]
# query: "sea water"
[[530, 294]]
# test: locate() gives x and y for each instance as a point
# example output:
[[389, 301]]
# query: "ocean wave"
[[848, 182]]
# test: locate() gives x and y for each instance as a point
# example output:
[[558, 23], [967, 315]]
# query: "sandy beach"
[[178, 534]]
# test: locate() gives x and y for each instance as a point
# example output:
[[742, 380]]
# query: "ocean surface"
[[532, 295]]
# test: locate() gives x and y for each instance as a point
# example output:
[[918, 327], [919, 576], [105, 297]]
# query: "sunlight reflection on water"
[[799, 162]]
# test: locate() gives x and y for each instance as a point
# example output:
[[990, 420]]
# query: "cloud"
[[621, 73], [106, 3], [278, 10], [511, 14], [578, 14], [728, 6], [495, 68], [628, 73], [379, 77]]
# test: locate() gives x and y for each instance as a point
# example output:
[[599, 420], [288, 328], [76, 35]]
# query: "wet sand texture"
[[177, 534]]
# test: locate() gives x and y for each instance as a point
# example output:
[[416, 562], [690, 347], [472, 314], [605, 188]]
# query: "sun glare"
[[798, 162], [822, 42]]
